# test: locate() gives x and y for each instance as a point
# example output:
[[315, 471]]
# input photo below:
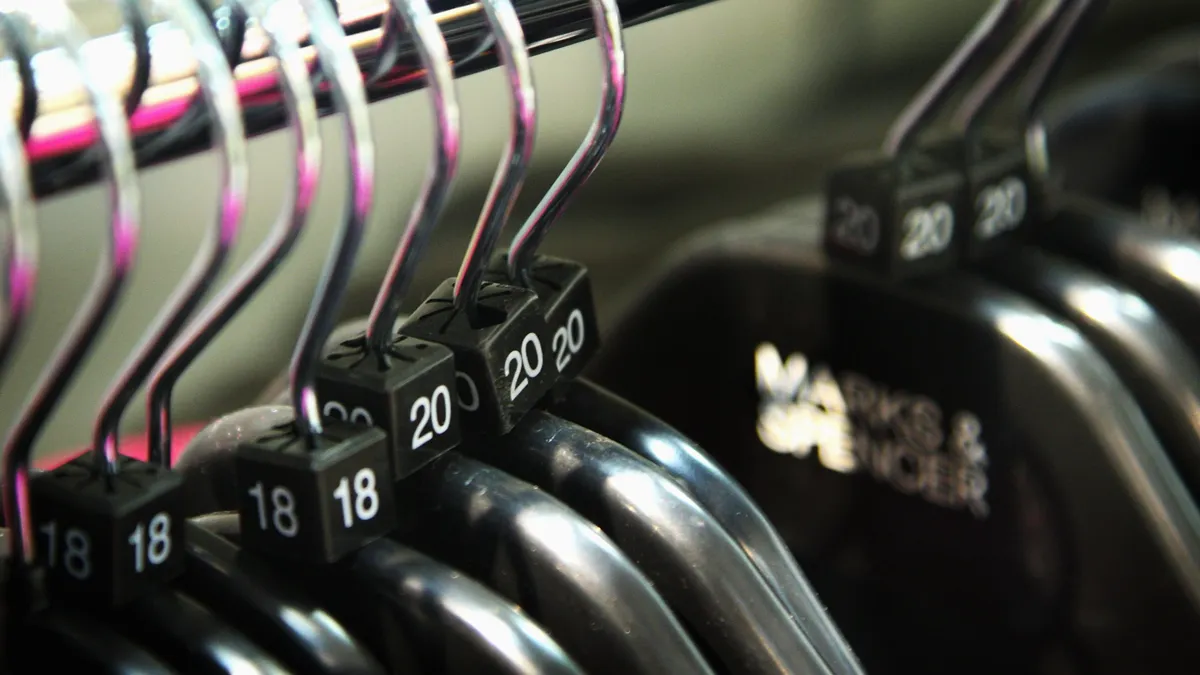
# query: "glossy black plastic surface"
[[590, 405], [279, 616], [693, 563], [191, 638], [1161, 267], [534, 550], [422, 616], [1149, 356], [988, 488]]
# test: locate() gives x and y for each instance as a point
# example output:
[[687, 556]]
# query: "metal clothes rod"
[[64, 130]]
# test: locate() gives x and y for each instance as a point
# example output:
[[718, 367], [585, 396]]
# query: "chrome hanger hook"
[[1041, 73], [439, 69], [1049, 62], [116, 260], [935, 92], [514, 163], [350, 96], [289, 224], [220, 94], [606, 15], [984, 95], [139, 35], [19, 246], [15, 31]]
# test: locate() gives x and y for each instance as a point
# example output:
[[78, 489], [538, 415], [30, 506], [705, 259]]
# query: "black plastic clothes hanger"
[[53, 638], [433, 618], [1150, 357], [1124, 212], [693, 562], [84, 566], [938, 455], [367, 570]]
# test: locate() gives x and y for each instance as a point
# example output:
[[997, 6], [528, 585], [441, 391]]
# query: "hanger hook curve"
[[293, 217], [606, 16], [350, 97], [116, 260], [514, 163]]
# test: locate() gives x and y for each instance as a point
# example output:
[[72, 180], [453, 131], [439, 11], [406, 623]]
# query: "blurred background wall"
[[731, 106]]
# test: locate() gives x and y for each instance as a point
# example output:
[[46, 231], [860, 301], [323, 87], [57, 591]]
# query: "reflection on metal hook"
[[292, 218], [606, 16], [514, 163], [116, 260]]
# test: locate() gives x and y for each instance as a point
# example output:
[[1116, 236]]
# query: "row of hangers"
[[979, 483], [963, 382]]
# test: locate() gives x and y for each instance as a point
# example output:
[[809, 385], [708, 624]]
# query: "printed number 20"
[[568, 339], [521, 364], [927, 231], [435, 409]]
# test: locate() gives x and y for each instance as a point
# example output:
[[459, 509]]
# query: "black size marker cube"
[[504, 366], [895, 216], [564, 290], [1002, 198], [315, 505], [409, 392], [107, 540]]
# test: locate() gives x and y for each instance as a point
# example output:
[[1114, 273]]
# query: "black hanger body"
[[277, 615], [192, 638], [422, 616], [590, 405], [693, 562], [1159, 266], [412, 622], [531, 548], [1150, 357], [968, 467]]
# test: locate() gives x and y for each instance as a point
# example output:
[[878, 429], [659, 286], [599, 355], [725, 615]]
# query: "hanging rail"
[[64, 127]]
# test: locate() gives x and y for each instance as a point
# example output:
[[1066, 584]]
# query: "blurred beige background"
[[730, 106]]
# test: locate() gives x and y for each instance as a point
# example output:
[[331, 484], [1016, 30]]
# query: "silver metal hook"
[[20, 243], [606, 15], [16, 36], [514, 164], [1041, 73], [116, 260], [350, 96], [439, 69], [220, 93], [139, 34], [935, 92], [980, 99], [291, 221]]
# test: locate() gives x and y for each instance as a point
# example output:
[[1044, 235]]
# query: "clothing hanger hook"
[[439, 74], [341, 67], [606, 15], [220, 93], [933, 95], [514, 163], [116, 260], [301, 106]]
